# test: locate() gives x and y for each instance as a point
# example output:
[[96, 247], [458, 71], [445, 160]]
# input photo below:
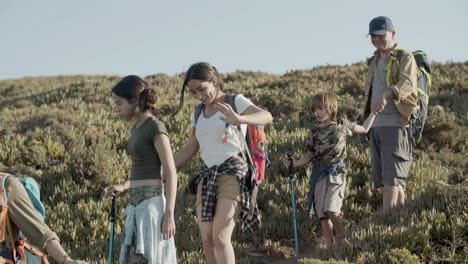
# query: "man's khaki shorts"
[[391, 155]]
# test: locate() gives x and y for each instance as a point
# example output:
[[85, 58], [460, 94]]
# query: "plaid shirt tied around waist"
[[235, 166]]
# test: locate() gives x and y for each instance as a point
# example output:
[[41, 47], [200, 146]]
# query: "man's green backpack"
[[418, 119]]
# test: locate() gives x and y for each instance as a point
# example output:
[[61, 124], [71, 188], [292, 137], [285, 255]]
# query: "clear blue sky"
[[46, 37]]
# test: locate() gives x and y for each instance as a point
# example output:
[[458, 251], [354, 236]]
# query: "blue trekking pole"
[[111, 239], [291, 180]]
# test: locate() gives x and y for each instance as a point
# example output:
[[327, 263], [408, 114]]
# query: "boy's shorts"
[[228, 188], [391, 155], [328, 197]]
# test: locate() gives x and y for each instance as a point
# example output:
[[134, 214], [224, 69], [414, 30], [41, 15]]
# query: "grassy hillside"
[[62, 131]]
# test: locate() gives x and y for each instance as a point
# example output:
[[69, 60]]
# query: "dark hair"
[[133, 88], [202, 71]]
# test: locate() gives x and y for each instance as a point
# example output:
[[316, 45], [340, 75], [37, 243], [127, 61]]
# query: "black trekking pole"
[[291, 180], [111, 239]]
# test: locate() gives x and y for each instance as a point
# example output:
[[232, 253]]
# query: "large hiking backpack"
[[418, 119], [22, 252]]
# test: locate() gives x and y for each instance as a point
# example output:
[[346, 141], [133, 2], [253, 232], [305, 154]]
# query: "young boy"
[[326, 147]]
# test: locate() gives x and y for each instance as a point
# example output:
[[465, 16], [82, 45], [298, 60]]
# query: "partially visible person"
[[391, 90], [24, 218], [326, 148], [149, 230]]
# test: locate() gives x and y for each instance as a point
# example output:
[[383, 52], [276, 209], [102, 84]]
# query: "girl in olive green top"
[[150, 151]]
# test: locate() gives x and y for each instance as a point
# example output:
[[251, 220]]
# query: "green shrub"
[[399, 256]]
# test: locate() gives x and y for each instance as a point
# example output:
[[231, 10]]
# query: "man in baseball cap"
[[391, 91]]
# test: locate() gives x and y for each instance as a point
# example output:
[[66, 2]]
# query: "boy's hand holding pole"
[[289, 162]]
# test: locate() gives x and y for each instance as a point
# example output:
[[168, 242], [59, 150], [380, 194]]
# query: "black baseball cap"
[[380, 25]]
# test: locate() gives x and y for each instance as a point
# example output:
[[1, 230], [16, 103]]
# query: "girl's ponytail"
[[136, 90], [182, 92], [218, 78], [147, 99]]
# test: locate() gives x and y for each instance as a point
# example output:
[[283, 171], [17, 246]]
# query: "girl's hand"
[[168, 226], [113, 190], [230, 116]]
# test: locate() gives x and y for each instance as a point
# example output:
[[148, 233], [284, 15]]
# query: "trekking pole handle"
[[291, 163], [112, 214]]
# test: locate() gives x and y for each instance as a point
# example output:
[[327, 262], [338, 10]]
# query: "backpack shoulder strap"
[[198, 111], [370, 60], [393, 59], [400, 54], [231, 100]]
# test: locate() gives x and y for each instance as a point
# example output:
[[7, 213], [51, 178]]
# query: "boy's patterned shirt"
[[329, 143]]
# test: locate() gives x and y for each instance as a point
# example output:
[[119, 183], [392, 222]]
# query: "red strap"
[[22, 241], [44, 259], [3, 217], [21, 253], [10, 235], [35, 251]]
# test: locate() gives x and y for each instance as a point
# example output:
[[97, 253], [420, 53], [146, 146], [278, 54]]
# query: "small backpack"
[[418, 119], [22, 252]]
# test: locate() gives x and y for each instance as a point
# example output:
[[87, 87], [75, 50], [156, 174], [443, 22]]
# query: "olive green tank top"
[[145, 159]]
